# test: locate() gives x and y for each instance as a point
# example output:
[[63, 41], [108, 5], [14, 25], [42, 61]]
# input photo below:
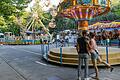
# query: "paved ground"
[[26, 63]]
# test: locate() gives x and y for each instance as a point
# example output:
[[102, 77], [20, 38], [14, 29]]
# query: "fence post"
[[60, 55], [68, 44], [119, 42], [74, 41], [107, 51], [47, 52], [33, 41], [56, 44], [42, 49], [48, 46]]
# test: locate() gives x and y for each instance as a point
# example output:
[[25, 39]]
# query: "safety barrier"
[[114, 42], [22, 42], [46, 48]]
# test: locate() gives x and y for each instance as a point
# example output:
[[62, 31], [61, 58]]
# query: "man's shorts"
[[94, 55]]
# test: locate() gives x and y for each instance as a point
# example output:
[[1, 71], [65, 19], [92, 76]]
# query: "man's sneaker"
[[96, 78], [83, 78], [79, 78], [111, 69]]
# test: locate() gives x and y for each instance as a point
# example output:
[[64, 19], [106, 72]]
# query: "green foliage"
[[46, 18], [65, 23], [2, 24], [6, 9], [116, 9], [9, 11], [2, 21], [108, 17], [14, 28]]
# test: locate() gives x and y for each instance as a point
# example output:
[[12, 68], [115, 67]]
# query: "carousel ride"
[[82, 11]]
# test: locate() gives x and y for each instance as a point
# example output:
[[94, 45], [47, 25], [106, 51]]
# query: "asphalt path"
[[28, 62]]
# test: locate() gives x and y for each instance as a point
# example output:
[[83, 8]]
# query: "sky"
[[52, 2], [56, 2]]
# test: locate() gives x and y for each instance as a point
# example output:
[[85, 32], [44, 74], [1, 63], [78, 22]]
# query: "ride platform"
[[69, 56]]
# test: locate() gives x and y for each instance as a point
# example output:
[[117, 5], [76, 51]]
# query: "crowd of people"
[[105, 37]]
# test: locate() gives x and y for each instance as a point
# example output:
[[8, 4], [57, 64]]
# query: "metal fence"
[[45, 48]]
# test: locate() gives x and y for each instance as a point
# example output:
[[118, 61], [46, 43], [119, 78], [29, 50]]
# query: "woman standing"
[[95, 56]]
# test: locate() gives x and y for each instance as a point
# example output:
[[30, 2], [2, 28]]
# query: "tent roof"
[[1, 34]]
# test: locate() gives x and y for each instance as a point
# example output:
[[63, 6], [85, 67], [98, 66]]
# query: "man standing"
[[83, 54]]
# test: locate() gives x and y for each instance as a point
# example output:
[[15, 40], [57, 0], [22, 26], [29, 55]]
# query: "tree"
[[65, 23], [116, 9], [9, 10], [113, 15], [3, 25]]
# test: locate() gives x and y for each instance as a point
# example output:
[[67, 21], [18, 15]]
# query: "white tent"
[[1, 34]]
